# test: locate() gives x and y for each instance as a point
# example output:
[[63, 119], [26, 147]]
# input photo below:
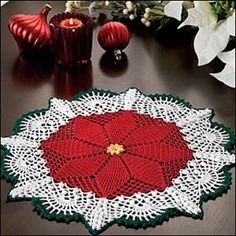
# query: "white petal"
[[228, 57], [230, 24], [227, 76], [174, 9], [201, 16], [3, 3], [209, 42]]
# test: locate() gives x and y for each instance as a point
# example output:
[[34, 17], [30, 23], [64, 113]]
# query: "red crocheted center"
[[154, 153]]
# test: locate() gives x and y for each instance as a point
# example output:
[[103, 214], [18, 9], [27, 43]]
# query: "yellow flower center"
[[115, 149]]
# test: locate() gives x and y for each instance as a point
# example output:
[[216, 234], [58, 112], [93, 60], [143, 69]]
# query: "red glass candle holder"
[[72, 35]]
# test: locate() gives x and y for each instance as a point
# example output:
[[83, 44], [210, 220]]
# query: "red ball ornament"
[[31, 32], [114, 36]]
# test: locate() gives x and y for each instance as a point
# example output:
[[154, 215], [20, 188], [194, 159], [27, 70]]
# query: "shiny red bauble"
[[31, 32], [114, 37]]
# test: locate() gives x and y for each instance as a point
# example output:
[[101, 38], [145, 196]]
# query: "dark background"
[[163, 64]]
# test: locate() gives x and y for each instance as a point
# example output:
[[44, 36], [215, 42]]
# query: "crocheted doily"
[[128, 158]]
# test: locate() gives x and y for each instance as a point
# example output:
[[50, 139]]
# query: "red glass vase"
[[72, 44]]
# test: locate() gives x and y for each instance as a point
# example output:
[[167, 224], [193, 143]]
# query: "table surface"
[[162, 64]]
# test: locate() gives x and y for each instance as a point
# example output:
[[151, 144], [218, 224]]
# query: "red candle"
[[72, 38], [71, 23]]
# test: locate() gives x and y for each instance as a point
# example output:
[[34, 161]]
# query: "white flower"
[[174, 9], [107, 3], [213, 36], [145, 15], [128, 4], [143, 20], [148, 23], [227, 75], [230, 24], [72, 5], [131, 17], [125, 11], [147, 10], [130, 8], [3, 3], [68, 6]]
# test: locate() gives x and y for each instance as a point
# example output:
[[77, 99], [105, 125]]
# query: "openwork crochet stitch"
[[128, 158]]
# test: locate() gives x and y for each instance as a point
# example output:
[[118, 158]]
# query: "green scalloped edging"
[[170, 212]]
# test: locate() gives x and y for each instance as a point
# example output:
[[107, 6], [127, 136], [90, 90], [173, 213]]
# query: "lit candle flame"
[[71, 22]]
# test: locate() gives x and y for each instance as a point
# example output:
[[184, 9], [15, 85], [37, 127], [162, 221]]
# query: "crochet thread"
[[204, 176], [154, 153]]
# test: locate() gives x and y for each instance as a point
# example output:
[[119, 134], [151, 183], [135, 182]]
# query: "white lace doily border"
[[203, 174]]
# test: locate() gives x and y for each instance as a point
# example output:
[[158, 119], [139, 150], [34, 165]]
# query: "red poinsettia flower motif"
[[118, 153]]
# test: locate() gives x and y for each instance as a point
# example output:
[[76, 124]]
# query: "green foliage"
[[223, 9], [138, 8]]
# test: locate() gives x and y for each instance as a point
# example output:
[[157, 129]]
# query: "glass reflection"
[[32, 71], [112, 67], [69, 81]]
